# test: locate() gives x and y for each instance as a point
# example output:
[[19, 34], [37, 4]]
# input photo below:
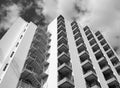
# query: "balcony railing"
[[62, 40], [22, 84], [92, 42], [106, 68], [77, 35], [31, 77], [37, 66], [112, 80], [66, 83], [101, 59], [64, 57], [89, 75], [87, 63], [79, 41], [100, 37], [103, 41], [76, 30], [65, 68], [61, 27], [62, 33], [63, 48], [97, 33], [81, 47]]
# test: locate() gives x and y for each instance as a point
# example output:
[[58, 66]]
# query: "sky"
[[103, 15]]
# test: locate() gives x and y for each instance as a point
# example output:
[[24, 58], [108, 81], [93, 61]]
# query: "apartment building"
[[63, 55], [81, 58], [24, 56]]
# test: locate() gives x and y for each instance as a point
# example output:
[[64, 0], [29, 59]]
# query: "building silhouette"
[[63, 55]]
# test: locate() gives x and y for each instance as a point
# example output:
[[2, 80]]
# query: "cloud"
[[72, 9], [104, 15], [11, 13], [50, 9]]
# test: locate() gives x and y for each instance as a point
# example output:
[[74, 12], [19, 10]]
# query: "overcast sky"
[[103, 15]]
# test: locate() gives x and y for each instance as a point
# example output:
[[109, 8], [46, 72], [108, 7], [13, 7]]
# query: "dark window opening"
[[12, 54], [5, 67]]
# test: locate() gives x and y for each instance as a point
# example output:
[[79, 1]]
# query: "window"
[[21, 36], [5, 67], [12, 54], [24, 30], [17, 44]]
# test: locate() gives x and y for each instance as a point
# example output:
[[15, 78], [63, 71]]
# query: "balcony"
[[117, 67], [44, 75], [114, 60], [90, 75], [104, 65], [84, 56], [103, 41], [66, 83], [40, 38], [76, 30], [62, 33], [31, 77], [61, 27], [63, 48], [86, 64], [90, 36], [106, 69], [39, 56], [74, 26], [86, 28], [110, 53], [98, 54], [101, 59], [106, 47], [60, 17], [39, 46], [81, 47], [47, 55], [93, 84], [73, 23], [45, 63], [92, 41], [61, 22], [114, 84], [22, 84], [62, 40], [97, 33], [95, 47], [112, 80], [37, 66], [64, 57], [100, 37], [65, 68], [87, 32], [79, 41], [77, 35]]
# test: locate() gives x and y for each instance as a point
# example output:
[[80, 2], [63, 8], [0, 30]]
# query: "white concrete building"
[[80, 58], [21, 58]]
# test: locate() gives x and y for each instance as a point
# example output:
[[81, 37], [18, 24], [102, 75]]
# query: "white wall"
[[14, 69], [52, 69]]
